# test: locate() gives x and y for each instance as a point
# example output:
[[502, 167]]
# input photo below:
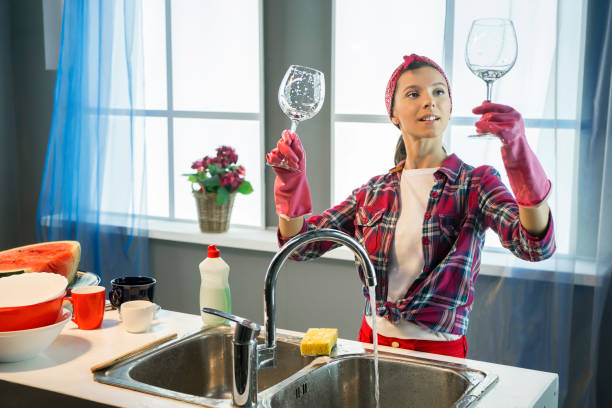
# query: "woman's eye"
[[412, 94], [439, 92]]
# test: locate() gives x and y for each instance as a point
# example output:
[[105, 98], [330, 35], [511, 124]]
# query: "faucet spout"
[[281, 256]]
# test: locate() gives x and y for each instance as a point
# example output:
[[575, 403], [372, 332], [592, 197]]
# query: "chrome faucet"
[[247, 355], [267, 351], [245, 361]]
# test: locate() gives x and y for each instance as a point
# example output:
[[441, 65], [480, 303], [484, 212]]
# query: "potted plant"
[[218, 179]]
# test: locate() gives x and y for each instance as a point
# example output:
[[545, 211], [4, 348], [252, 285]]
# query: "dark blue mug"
[[131, 288]]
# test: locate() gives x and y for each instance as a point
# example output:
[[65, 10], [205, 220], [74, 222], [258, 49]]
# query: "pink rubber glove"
[[527, 178], [291, 191]]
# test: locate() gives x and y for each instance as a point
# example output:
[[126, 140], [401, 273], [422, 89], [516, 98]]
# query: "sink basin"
[[349, 382], [197, 368]]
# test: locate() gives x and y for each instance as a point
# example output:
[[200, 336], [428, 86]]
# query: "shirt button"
[[425, 241], [434, 194], [395, 344], [427, 216]]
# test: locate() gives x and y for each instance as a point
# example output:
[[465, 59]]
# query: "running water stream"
[[372, 294]]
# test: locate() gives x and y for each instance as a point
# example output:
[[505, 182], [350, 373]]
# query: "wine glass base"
[[485, 136], [284, 166]]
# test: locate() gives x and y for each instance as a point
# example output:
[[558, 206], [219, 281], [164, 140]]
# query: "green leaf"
[[211, 182], [214, 169], [222, 195], [245, 188], [193, 178]]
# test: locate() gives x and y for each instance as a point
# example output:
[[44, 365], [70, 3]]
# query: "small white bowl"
[[31, 288], [23, 344]]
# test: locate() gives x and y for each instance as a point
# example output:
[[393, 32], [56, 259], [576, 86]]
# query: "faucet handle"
[[245, 330]]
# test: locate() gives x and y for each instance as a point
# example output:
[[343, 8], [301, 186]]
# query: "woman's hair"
[[400, 148]]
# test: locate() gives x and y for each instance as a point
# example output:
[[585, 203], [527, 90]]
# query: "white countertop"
[[65, 366]]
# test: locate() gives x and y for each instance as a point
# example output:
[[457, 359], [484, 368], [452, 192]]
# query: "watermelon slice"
[[61, 257]]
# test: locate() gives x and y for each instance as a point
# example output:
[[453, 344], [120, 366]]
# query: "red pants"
[[455, 348]]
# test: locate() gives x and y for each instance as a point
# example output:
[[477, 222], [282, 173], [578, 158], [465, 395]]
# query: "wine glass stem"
[[294, 124], [489, 89]]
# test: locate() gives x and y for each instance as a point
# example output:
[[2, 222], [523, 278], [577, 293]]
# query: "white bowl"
[[23, 344], [31, 288]]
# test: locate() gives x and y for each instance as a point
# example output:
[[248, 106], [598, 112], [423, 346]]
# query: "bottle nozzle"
[[213, 252]]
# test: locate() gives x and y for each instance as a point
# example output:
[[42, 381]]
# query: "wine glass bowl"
[[490, 51], [300, 95]]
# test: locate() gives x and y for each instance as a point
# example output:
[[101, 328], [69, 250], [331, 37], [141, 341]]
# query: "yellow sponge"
[[318, 342]]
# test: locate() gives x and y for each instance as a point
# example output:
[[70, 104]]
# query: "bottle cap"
[[213, 252]]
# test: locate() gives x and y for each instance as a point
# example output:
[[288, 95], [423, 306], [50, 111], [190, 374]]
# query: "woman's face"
[[421, 105]]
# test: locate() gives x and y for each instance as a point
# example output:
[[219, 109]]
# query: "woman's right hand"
[[291, 191]]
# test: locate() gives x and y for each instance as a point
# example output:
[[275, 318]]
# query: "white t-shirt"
[[407, 254]]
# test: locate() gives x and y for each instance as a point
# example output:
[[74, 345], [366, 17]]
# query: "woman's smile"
[[429, 119]]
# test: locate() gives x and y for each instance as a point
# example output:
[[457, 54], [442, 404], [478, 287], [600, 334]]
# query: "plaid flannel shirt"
[[463, 203]]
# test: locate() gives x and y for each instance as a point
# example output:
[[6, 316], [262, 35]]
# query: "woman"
[[423, 223]]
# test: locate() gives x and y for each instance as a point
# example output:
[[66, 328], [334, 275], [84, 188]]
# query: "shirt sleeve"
[[340, 217], [500, 212]]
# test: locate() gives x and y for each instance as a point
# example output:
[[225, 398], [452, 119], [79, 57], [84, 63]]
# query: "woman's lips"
[[429, 119]]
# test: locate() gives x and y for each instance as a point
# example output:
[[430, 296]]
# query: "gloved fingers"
[[297, 147], [491, 107], [274, 157], [290, 145], [277, 157], [507, 124], [286, 136], [287, 150], [488, 127], [513, 116]]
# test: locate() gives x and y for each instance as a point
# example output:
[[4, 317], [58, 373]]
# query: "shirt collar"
[[451, 167]]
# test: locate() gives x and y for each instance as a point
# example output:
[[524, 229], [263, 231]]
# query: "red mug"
[[88, 306]]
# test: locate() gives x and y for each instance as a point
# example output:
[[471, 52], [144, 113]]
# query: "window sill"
[[560, 269]]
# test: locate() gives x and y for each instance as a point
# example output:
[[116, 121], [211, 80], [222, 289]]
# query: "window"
[[199, 94], [370, 39]]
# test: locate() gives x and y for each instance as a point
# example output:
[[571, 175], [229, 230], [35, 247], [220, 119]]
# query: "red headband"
[[390, 92]]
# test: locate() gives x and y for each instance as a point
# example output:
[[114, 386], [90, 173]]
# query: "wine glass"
[[490, 52], [300, 96]]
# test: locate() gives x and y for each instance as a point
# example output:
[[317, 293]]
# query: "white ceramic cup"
[[137, 315]]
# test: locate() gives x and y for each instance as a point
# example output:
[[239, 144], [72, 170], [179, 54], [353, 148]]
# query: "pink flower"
[[227, 155], [230, 181]]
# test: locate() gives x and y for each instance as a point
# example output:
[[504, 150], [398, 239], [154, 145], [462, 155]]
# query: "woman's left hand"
[[527, 177], [501, 120]]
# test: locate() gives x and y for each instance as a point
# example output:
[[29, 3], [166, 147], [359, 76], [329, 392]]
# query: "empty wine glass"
[[300, 96], [490, 52]]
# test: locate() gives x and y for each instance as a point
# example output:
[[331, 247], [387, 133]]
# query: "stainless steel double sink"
[[197, 368]]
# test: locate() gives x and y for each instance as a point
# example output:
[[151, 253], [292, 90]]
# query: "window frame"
[[170, 114]]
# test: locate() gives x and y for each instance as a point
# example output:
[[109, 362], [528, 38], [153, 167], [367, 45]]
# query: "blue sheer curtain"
[[93, 188]]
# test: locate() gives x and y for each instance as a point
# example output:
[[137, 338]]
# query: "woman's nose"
[[429, 102]]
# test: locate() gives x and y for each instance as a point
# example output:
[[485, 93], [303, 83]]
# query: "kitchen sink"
[[197, 368], [349, 382]]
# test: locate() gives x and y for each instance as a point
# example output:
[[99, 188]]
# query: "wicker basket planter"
[[213, 217]]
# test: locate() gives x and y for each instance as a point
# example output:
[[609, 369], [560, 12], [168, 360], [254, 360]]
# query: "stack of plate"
[[31, 314]]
